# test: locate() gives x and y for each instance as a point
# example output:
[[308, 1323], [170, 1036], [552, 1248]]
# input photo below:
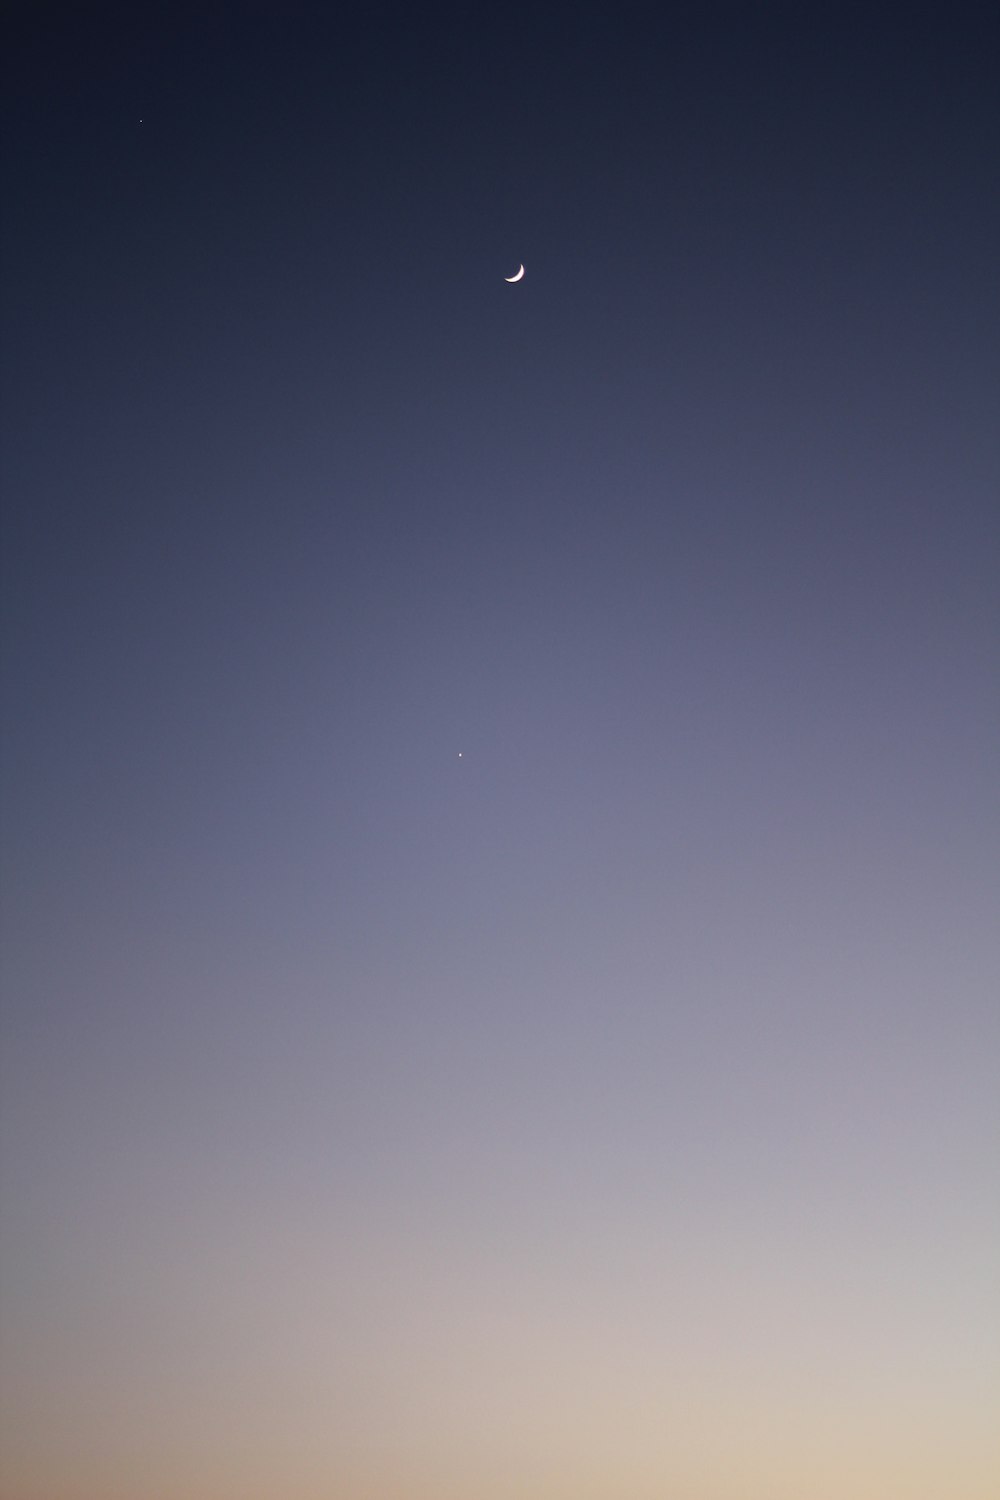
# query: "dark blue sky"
[[601, 1063]]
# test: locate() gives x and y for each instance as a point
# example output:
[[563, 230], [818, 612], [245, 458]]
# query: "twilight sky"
[[610, 1110]]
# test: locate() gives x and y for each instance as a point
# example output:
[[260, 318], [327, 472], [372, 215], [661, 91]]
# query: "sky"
[[499, 822]]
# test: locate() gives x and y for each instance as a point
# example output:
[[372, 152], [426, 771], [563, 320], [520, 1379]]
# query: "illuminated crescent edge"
[[518, 277]]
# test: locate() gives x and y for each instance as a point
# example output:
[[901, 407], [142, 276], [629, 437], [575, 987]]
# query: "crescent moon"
[[518, 277]]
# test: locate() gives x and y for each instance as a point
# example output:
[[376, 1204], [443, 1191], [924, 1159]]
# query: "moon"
[[518, 277]]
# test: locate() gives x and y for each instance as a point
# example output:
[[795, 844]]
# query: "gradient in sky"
[[610, 1110]]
